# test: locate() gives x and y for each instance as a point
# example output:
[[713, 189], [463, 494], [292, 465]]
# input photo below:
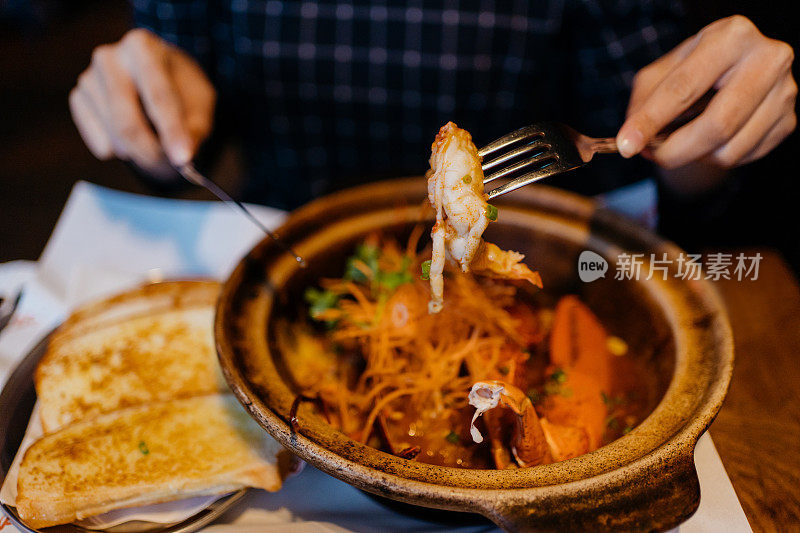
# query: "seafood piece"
[[572, 416], [529, 444], [492, 262], [484, 396], [565, 442], [455, 190], [579, 341], [577, 403], [579, 351], [536, 440]]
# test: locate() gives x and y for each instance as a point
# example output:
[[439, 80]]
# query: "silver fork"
[[545, 149], [539, 151]]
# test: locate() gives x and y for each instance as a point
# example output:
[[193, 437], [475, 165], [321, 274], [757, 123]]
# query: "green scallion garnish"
[[426, 270], [491, 212], [535, 396], [320, 301]]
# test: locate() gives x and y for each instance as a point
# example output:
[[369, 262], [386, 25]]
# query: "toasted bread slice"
[[154, 343], [146, 300], [148, 454]]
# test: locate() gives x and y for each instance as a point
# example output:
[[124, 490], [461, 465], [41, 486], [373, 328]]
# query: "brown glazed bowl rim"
[[639, 469]]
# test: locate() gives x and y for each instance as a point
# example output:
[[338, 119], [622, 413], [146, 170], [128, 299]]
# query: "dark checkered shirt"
[[329, 93]]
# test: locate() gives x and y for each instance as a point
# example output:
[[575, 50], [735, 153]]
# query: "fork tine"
[[539, 158], [511, 138], [512, 154], [524, 180]]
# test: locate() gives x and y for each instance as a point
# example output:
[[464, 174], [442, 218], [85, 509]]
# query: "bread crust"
[[142, 455], [150, 344]]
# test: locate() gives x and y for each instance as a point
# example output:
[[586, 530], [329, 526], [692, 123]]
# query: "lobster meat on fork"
[[455, 190]]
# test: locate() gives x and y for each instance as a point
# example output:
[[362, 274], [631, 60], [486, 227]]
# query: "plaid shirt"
[[325, 93]]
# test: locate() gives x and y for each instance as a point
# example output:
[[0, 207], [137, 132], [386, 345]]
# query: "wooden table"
[[757, 432]]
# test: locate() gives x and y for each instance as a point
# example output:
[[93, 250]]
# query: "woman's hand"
[[752, 111], [143, 100]]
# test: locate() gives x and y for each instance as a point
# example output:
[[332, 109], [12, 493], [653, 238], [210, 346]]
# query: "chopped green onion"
[[426, 270], [467, 179], [143, 447], [491, 212], [627, 430], [551, 388], [392, 280], [535, 396], [453, 438], [504, 370], [559, 376], [320, 301], [367, 254], [612, 402], [352, 272]]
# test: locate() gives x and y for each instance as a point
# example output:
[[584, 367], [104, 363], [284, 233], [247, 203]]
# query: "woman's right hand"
[[145, 101]]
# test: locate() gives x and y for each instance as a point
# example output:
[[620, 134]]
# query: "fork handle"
[[608, 145]]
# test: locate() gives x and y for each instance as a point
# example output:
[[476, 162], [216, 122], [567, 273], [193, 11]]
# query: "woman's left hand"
[[752, 111]]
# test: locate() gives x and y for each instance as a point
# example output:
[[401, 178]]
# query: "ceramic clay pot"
[[645, 480]]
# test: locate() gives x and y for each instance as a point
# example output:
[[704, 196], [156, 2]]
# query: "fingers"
[[752, 97], [718, 48], [774, 137], [650, 76], [755, 140], [769, 121], [134, 86], [146, 58], [121, 112], [89, 125], [197, 96]]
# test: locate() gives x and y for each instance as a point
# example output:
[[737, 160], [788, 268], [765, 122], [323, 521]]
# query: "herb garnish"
[[535, 396], [366, 255], [319, 301], [555, 384], [426, 270], [559, 376]]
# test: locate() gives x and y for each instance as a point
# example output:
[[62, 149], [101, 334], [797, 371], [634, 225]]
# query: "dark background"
[[46, 43]]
